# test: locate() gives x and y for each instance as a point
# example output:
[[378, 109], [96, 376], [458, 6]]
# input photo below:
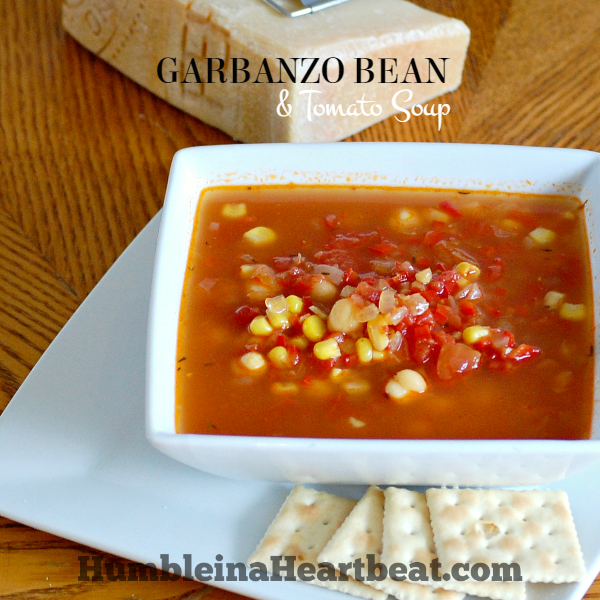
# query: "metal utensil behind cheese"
[[291, 8]]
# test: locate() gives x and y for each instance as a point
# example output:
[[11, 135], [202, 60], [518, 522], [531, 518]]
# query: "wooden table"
[[85, 155]]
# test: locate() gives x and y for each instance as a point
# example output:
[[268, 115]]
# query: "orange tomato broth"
[[534, 374]]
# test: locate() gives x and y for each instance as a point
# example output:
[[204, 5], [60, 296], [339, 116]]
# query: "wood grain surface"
[[85, 155]]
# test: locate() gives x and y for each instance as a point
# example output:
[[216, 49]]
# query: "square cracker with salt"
[[533, 528], [408, 538], [361, 536], [302, 528]]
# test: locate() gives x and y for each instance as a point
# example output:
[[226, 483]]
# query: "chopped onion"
[[502, 233], [407, 266], [382, 284], [457, 253], [387, 301], [347, 290], [383, 267], [370, 311], [278, 304], [334, 274], [318, 311], [472, 291], [396, 341], [396, 315], [416, 304], [208, 283], [263, 273]]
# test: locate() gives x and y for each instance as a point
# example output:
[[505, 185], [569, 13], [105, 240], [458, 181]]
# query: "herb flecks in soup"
[[377, 313]]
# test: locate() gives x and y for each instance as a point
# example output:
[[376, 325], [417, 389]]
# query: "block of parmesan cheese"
[[408, 47]]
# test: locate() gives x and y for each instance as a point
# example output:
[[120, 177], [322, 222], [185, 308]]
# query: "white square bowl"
[[315, 460]]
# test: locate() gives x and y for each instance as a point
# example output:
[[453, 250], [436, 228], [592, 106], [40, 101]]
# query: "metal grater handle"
[[310, 6]]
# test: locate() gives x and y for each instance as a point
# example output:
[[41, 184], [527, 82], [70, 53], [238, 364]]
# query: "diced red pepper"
[[368, 292], [511, 338], [351, 277], [523, 352], [494, 311], [293, 354], [467, 308], [429, 295], [442, 314], [422, 349], [422, 331], [350, 360], [302, 287], [432, 238], [450, 209], [244, 315], [384, 248], [496, 270]]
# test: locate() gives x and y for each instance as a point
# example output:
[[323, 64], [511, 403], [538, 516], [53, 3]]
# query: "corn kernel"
[[364, 349], [247, 271], [376, 329], [261, 326], [327, 349], [295, 304], [337, 373], [437, 215], [562, 381], [279, 357], [468, 271], [320, 387], [284, 387], [314, 328], [424, 276], [300, 342], [462, 282], [356, 422], [510, 224], [405, 218], [253, 361], [279, 320], [474, 333], [541, 236], [358, 386], [234, 211], [378, 355], [404, 383], [260, 236], [572, 312], [553, 299]]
